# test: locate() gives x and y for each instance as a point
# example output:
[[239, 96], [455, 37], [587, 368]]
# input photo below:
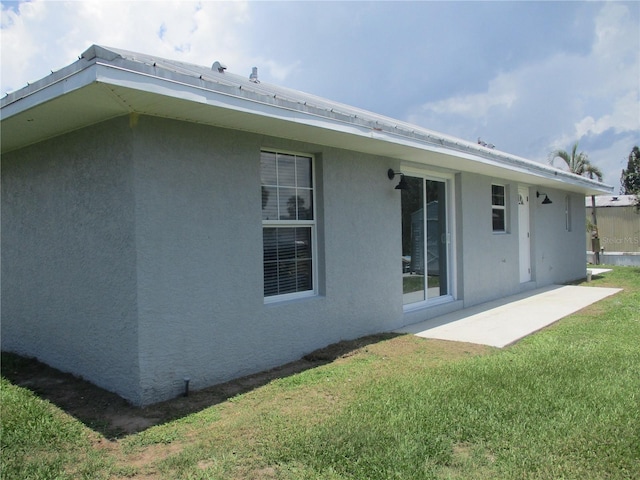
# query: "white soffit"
[[87, 106]]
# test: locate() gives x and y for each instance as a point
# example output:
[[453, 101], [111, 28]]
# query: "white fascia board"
[[201, 94], [80, 75], [134, 80], [516, 164], [47, 92]]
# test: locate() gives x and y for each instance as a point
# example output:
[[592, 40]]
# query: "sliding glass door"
[[425, 240]]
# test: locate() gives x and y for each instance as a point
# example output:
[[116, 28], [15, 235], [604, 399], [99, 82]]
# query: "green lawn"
[[415, 283], [563, 403]]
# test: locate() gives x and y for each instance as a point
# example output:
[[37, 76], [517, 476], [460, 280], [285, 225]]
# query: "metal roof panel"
[[156, 86]]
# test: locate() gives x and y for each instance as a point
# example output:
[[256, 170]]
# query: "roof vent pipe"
[[219, 67], [254, 75]]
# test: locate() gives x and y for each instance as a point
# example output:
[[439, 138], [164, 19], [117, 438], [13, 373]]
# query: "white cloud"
[[624, 117], [517, 108], [616, 33], [580, 85], [19, 48], [278, 72], [614, 90], [557, 100], [52, 34], [43, 35], [500, 94]]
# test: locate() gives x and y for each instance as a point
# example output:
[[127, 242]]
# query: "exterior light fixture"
[[546, 200], [402, 185]]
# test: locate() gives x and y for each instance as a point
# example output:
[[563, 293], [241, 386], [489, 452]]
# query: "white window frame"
[[499, 207], [567, 212], [312, 224]]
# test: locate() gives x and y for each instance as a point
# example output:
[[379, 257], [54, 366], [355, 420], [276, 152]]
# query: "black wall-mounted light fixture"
[[546, 200], [402, 185]]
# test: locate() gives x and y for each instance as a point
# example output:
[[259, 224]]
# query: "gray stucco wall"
[[490, 261], [132, 254], [558, 255], [68, 256], [199, 251]]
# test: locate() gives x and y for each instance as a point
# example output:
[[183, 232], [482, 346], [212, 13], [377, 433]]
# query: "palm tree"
[[579, 164]]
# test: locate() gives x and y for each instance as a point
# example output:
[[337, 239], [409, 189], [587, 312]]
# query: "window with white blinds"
[[288, 224]]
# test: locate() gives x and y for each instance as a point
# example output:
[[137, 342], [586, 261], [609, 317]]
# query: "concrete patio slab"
[[598, 271], [502, 322]]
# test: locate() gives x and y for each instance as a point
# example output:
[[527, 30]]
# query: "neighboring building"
[[162, 220], [618, 229]]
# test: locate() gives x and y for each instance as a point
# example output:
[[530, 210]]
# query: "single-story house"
[[618, 221], [163, 221]]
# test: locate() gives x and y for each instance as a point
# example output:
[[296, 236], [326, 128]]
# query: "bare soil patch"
[[113, 417]]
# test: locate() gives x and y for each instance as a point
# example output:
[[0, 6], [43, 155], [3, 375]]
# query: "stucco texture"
[[132, 254], [68, 255], [199, 256], [490, 261]]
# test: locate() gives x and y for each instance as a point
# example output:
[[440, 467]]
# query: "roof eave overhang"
[[94, 90]]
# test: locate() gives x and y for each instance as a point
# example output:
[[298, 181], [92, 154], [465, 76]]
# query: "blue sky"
[[528, 77]]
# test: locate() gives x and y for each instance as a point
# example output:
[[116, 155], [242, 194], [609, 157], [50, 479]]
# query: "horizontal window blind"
[[288, 231]]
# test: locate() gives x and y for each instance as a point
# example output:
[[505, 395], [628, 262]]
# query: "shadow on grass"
[[113, 417]]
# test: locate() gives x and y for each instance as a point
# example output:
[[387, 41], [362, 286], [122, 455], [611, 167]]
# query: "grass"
[[39, 441], [415, 283], [563, 403]]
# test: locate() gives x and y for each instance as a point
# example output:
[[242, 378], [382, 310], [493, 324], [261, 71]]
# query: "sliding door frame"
[[450, 226]]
